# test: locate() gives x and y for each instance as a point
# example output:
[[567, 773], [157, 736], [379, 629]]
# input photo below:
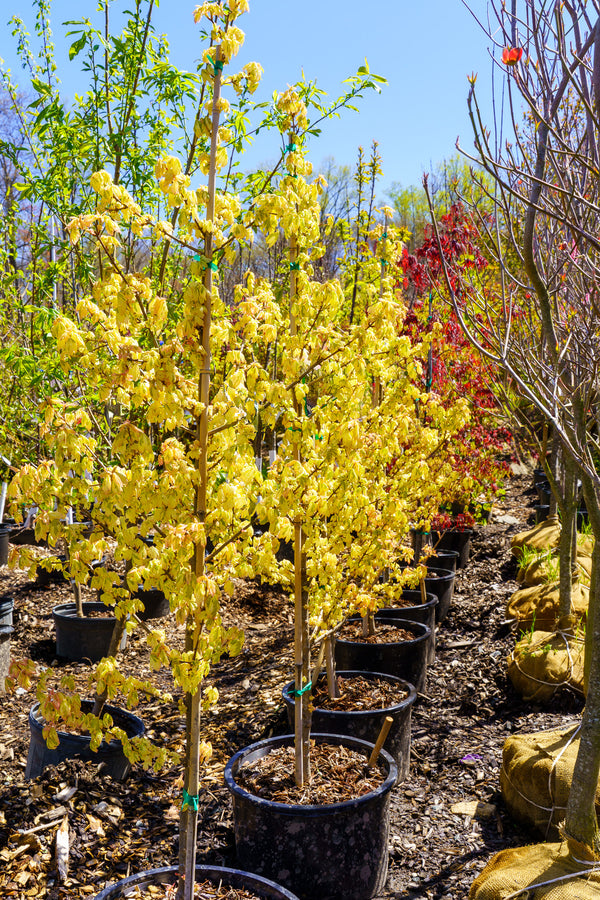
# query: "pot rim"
[[138, 728], [69, 610], [408, 701], [310, 810], [201, 869], [440, 574], [425, 631]]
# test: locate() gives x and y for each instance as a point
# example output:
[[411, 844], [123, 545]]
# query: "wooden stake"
[[62, 849], [332, 686], [423, 591], [385, 728]]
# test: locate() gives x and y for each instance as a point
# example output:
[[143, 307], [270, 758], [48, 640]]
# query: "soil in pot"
[[216, 882], [327, 849], [110, 755], [87, 638], [364, 701], [398, 647]]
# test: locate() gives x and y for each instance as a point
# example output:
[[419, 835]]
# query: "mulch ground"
[[459, 726]]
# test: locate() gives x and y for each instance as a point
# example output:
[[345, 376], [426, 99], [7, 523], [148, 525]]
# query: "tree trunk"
[[568, 507], [581, 822]]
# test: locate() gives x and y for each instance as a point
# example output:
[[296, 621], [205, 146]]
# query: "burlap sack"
[[547, 871], [537, 572], [536, 776], [545, 536], [537, 606], [543, 662], [584, 561]]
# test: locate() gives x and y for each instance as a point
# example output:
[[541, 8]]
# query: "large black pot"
[[156, 605], [46, 577], [441, 583], [337, 851], [79, 639], [416, 611], [445, 559], [366, 723], [404, 659], [453, 539], [110, 755], [266, 890], [4, 541]]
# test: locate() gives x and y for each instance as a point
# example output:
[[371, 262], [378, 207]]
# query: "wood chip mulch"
[[357, 693], [384, 634], [447, 817], [337, 774]]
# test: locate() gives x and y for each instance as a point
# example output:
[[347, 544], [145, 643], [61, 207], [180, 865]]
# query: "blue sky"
[[425, 48]]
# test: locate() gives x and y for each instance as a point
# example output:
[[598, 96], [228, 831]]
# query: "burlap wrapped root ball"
[[548, 871], [545, 536], [537, 572], [544, 662], [536, 777], [537, 607]]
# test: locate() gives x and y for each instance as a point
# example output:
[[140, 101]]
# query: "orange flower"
[[512, 55]]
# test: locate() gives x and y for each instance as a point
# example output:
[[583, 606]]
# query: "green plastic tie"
[[290, 148], [189, 801], [218, 67], [385, 234], [294, 267], [207, 264], [303, 690]]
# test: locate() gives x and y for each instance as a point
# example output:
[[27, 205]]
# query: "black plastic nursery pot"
[[4, 542], [336, 851], [542, 511], [46, 577], [441, 583], [445, 559], [366, 723], [543, 491], [415, 612], [87, 638], [454, 539], [110, 755], [234, 878], [21, 536], [404, 659], [156, 605], [6, 610]]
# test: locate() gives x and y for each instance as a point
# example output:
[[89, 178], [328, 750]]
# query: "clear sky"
[[425, 48]]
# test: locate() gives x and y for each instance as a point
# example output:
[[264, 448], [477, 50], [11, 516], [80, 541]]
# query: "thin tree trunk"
[[581, 822], [568, 510], [188, 821]]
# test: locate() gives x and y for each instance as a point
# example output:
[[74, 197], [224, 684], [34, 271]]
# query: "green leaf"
[[77, 46]]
